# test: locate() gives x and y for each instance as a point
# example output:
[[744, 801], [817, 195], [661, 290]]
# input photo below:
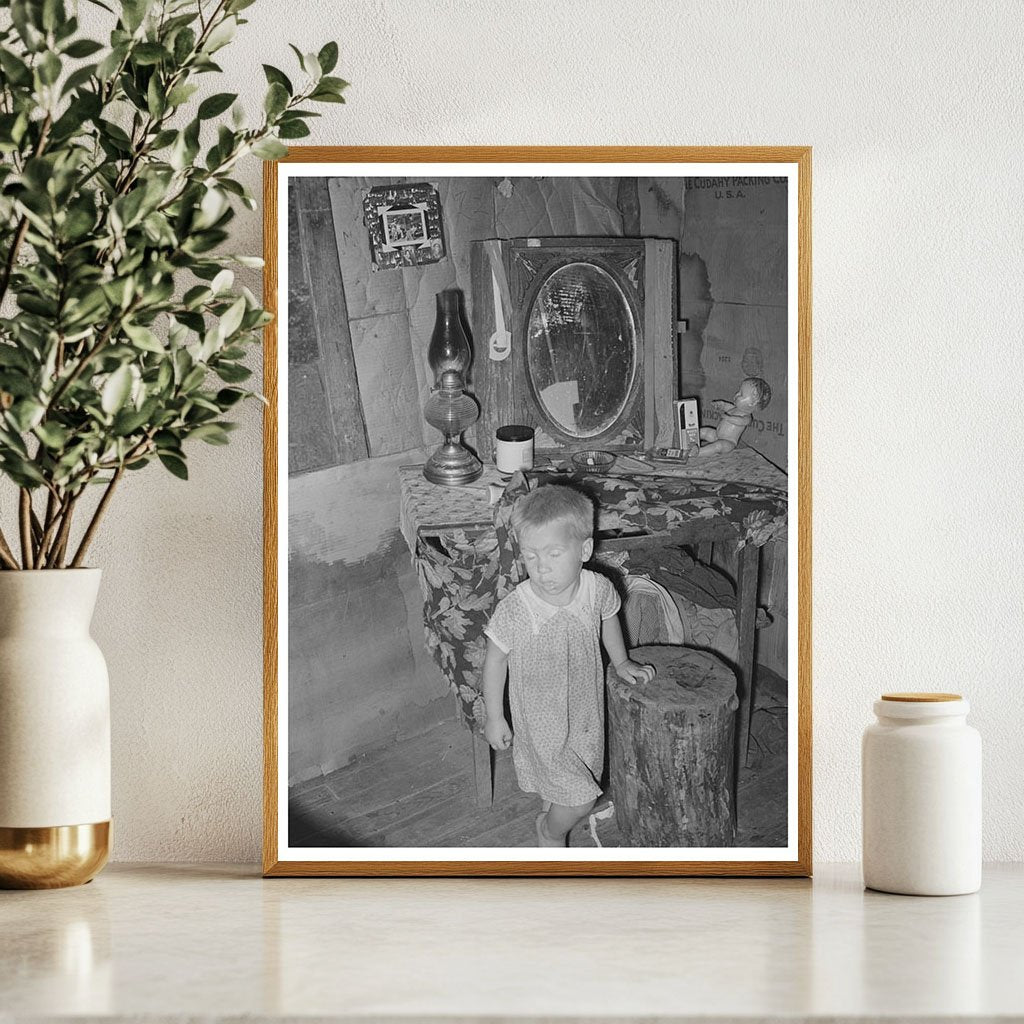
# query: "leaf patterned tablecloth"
[[465, 570]]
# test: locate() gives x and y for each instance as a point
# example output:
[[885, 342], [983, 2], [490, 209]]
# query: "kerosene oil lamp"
[[449, 409]]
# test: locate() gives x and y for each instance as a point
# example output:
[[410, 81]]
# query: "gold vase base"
[[54, 857]]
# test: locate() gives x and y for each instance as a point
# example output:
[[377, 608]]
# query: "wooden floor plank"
[[420, 793]]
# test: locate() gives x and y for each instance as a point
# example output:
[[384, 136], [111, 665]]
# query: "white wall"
[[913, 110]]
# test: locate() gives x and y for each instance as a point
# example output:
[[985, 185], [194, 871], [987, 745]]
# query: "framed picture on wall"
[[404, 225], [596, 662]]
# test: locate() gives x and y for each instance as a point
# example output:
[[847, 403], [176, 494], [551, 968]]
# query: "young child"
[[754, 393], [547, 633]]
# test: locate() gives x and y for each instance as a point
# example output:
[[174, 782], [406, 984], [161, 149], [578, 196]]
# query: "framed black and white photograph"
[[513, 625], [404, 226], [404, 223]]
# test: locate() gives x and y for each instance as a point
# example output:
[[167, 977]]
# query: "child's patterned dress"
[[556, 687]]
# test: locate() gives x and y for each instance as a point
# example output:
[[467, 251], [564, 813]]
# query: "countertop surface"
[[177, 941]]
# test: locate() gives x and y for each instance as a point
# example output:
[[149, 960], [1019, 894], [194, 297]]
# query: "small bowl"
[[593, 461]]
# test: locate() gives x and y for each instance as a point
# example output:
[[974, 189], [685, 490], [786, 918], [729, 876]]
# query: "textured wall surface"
[[913, 111]]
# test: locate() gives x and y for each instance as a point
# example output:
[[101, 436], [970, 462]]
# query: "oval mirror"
[[581, 349]]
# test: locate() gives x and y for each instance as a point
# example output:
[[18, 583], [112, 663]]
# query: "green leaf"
[[53, 435], [311, 66], [328, 58], [276, 99], [227, 397], [156, 101], [26, 414], [149, 53], [12, 356], [144, 338], [293, 130], [181, 94], [274, 76], [232, 319], [221, 35], [211, 433], [175, 465], [38, 305], [119, 291], [16, 70], [49, 68], [167, 441], [133, 13], [195, 297], [128, 421], [83, 48], [21, 471], [115, 133], [26, 21], [109, 65], [53, 15], [184, 44], [164, 376], [269, 149], [222, 281], [163, 139], [193, 321], [214, 105], [129, 207], [11, 442], [327, 96], [334, 84], [232, 373], [255, 262], [116, 390], [66, 29]]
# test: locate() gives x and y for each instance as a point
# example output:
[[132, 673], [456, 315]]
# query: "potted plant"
[[122, 341]]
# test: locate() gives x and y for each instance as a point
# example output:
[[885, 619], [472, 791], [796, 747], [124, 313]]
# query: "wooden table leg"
[[483, 770], [746, 616]]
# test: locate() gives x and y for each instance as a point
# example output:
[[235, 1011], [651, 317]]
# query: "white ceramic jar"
[[921, 779]]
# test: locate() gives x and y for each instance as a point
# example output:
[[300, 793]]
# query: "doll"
[[754, 393]]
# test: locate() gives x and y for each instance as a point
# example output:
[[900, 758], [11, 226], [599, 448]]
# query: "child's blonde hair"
[[555, 503]]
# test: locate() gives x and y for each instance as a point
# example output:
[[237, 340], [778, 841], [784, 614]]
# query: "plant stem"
[[6, 555], [84, 360], [51, 508], [97, 516], [12, 255], [19, 234], [37, 528], [50, 524], [60, 544], [25, 521]]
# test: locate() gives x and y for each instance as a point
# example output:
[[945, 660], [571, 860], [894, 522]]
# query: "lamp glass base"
[[452, 466]]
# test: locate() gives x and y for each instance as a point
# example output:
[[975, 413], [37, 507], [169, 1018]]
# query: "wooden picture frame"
[[310, 363], [404, 225]]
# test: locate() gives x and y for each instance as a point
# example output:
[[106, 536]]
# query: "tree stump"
[[671, 747]]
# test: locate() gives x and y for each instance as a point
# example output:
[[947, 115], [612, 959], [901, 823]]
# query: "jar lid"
[[921, 698], [921, 705]]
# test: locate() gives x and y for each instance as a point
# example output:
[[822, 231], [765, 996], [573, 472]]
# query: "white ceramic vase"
[[54, 731]]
